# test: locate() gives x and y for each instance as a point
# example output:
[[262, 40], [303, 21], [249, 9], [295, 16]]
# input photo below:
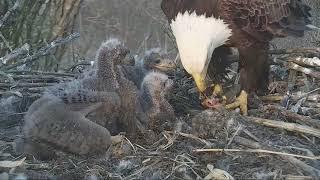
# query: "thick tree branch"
[[43, 51], [9, 12]]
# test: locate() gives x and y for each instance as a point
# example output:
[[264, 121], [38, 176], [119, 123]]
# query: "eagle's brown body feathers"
[[254, 23]]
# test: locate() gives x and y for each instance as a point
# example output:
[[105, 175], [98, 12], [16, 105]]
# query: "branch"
[[287, 126], [295, 117], [294, 96], [43, 51], [313, 62], [293, 160], [314, 51], [307, 71], [41, 73], [257, 151], [25, 85], [7, 15], [5, 41], [24, 50]]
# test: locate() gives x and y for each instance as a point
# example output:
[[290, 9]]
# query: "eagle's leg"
[[241, 102], [254, 70], [217, 71], [254, 75]]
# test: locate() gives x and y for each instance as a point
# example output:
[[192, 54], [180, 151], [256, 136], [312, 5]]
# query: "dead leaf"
[[216, 174]]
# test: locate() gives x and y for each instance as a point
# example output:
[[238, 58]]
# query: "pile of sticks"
[[15, 79]]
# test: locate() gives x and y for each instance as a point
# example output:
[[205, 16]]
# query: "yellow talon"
[[242, 102], [217, 89], [200, 82]]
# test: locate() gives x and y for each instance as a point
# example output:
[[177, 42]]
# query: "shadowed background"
[[139, 23]]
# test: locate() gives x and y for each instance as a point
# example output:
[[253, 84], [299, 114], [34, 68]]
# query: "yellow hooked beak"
[[200, 82]]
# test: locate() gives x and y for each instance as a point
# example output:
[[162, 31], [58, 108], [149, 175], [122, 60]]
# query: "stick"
[[313, 62], [307, 71], [23, 50], [5, 42], [25, 85], [8, 13], [295, 117], [43, 51], [312, 105], [257, 151], [207, 143], [41, 72], [315, 51], [31, 77], [287, 126], [296, 97], [296, 162], [272, 98]]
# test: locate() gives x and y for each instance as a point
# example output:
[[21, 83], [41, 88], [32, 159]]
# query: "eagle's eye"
[[158, 61]]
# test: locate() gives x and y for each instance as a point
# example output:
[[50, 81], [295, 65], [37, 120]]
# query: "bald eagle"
[[201, 27]]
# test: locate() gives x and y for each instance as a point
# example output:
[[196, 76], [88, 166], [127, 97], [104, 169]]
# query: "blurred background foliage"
[[139, 23]]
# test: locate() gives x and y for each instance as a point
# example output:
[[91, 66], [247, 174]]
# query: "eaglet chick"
[[153, 91], [108, 97], [153, 60], [50, 123]]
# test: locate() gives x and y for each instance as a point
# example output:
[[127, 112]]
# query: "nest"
[[279, 139]]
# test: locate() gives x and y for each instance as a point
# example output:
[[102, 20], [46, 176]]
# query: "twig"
[[248, 143], [41, 72], [313, 62], [35, 90], [5, 42], [135, 173], [207, 143], [23, 50], [312, 105], [234, 135], [73, 67], [23, 77], [297, 97], [272, 98], [287, 126], [8, 13], [308, 93], [307, 71], [7, 76], [292, 177], [43, 51], [296, 162], [251, 135], [307, 168], [257, 151], [170, 138], [295, 117], [25, 85], [315, 51]]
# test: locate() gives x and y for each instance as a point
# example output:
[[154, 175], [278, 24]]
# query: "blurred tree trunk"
[[38, 22]]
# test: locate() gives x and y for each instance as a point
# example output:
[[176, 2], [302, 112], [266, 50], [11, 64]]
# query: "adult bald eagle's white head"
[[197, 36]]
